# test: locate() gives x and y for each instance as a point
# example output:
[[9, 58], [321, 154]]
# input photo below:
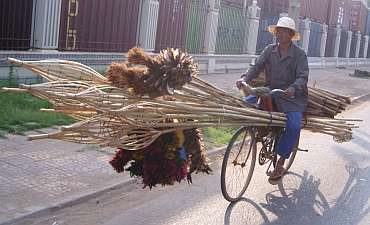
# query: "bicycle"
[[242, 150]]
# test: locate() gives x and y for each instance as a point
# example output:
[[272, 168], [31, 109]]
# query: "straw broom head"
[[170, 70], [138, 57], [126, 77], [176, 69]]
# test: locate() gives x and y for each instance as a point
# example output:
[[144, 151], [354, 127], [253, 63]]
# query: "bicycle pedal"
[[302, 150]]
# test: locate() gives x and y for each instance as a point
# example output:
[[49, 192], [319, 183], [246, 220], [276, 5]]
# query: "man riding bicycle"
[[286, 67]]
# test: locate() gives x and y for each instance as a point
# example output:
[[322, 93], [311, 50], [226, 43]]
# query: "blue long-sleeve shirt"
[[290, 71]]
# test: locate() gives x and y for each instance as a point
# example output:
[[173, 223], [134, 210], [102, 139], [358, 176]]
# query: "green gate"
[[231, 29], [197, 19]]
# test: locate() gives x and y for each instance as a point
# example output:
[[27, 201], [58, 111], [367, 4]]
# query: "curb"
[[360, 99], [78, 198], [214, 151], [70, 201]]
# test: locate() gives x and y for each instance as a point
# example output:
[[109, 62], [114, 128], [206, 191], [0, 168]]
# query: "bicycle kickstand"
[[302, 150]]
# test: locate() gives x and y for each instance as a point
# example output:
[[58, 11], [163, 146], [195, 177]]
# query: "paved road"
[[329, 185]]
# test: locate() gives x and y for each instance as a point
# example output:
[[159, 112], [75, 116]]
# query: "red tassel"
[[120, 159]]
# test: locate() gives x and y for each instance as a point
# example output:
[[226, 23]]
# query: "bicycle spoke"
[[252, 142], [243, 141], [238, 164]]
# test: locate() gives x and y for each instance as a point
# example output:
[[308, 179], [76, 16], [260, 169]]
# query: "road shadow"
[[307, 205], [298, 200], [361, 139], [245, 211]]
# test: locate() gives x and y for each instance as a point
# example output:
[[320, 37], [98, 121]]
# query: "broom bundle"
[[150, 108], [117, 111], [161, 158], [117, 117], [134, 123]]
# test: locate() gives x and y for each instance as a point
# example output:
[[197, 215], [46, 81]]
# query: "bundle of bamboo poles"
[[121, 120], [117, 118], [324, 103], [321, 103], [113, 116]]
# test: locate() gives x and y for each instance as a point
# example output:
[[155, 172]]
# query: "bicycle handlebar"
[[263, 91], [277, 93]]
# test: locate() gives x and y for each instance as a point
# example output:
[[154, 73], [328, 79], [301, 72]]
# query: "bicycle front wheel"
[[238, 164]]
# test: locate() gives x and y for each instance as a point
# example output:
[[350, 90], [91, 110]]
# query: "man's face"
[[284, 35]]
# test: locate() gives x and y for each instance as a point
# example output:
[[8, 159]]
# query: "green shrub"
[[218, 136], [20, 113]]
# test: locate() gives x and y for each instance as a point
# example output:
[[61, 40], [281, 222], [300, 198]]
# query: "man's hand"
[[239, 83], [290, 92]]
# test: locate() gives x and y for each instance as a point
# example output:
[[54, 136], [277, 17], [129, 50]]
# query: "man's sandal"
[[275, 176]]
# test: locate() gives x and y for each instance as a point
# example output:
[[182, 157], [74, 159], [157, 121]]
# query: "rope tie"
[[337, 108], [270, 123], [221, 121], [323, 104], [305, 121]]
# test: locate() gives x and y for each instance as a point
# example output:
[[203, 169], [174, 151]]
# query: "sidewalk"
[[42, 175]]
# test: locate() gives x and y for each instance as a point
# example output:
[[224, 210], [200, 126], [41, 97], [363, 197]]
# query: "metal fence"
[[353, 45], [301, 31], [264, 37], [172, 24], [343, 43], [315, 40], [25, 80], [196, 25], [95, 25], [15, 24], [181, 24], [362, 45], [361, 48], [330, 42], [230, 30], [14, 75]]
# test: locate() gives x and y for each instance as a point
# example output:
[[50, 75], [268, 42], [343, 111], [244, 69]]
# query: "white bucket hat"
[[285, 22]]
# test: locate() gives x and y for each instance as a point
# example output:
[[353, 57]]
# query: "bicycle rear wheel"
[[238, 164]]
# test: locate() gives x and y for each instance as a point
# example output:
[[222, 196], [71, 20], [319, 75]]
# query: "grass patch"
[[20, 112], [218, 136]]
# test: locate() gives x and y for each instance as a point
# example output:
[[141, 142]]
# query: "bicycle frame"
[[268, 137]]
